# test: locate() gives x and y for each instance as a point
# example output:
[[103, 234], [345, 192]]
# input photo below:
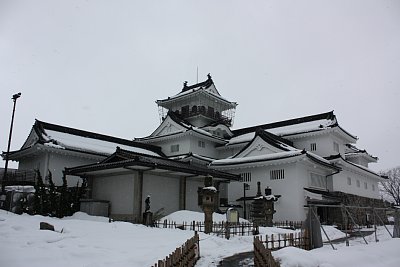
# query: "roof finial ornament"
[[185, 83], [209, 76]]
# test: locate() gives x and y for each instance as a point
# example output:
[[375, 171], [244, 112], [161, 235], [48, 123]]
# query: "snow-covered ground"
[[83, 240]]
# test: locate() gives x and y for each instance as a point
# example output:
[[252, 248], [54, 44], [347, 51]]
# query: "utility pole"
[[3, 184]]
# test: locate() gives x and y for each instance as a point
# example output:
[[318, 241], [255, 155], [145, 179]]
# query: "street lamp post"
[[245, 187], [3, 184]]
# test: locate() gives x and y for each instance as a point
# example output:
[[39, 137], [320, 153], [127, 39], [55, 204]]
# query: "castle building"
[[306, 160]]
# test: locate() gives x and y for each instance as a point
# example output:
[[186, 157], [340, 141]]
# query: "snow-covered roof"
[[121, 159], [339, 159], [61, 137], [185, 127], [314, 123], [352, 152], [258, 158], [206, 87]]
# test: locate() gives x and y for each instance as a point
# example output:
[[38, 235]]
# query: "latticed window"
[[245, 177], [277, 174], [313, 146]]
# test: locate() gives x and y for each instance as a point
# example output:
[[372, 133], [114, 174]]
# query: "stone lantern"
[[209, 196], [263, 207]]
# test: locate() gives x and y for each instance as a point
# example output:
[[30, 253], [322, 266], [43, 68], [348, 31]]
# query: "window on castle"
[[245, 177], [358, 183], [336, 147], [373, 187], [185, 111], [313, 146], [175, 148], [317, 180], [365, 185], [277, 174], [201, 144], [348, 180]]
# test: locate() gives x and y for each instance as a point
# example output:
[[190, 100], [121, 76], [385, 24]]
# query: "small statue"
[[147, 201]]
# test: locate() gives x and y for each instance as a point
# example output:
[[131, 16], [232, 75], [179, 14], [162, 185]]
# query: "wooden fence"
[[278, 241], [262, 255], [218, 228], [289, 224], [183, 256]]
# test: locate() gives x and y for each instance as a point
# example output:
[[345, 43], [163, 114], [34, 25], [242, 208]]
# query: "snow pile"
[[83, 240], [84, 216], [187, 216]]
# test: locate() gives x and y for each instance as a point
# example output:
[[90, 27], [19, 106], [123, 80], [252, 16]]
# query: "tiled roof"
[[207, 83], [286, 128], [63, 137], [129, 158]]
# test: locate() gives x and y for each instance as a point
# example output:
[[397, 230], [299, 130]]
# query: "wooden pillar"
[[137, 195], [182, 193]]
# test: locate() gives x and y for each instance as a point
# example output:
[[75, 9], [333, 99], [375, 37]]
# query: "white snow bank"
[[82, 243], [187, 216], [84, 216]]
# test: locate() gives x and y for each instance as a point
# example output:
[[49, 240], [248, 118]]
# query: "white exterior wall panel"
[[118, 190], [163, 191], [191, 194]]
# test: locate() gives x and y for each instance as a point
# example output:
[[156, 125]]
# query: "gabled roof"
[[62, 137], [339, 159], [190, 156], [185, 127], [271, 139], [308, 124], [135, 161], [273, 157]]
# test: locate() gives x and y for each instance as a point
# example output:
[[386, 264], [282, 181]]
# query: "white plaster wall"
[[118, 190], [290, 205], [224, 153], [209, 149], [324, 144], [33, 163], [359, 160], [184, 146], [191, 193], [163, 191], [56, 163], [340, 184]]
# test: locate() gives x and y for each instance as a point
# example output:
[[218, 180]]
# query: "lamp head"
[[16, 96]]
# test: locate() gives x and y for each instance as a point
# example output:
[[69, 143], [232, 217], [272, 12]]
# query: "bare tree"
[[391, 185]]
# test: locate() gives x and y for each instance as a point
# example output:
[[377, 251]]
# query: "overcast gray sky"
[[100, 65]]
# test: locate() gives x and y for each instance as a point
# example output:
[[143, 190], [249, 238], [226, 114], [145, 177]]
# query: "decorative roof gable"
[[265, 143], [171, 124]]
